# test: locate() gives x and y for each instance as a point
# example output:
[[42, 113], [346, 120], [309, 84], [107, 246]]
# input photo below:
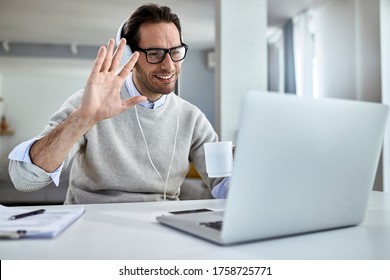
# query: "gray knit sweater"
[[110, 163]]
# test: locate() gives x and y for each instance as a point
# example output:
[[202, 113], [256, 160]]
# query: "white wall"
[[368, 75], [241, 55], [348, 49], [335, 49]]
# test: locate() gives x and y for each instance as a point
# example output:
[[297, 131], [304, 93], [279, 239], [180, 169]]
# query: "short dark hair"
[[150, 13]]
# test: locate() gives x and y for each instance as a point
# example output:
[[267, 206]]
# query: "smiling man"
[[127, 135]]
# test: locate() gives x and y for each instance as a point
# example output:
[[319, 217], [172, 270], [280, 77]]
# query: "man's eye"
[[154, 53], [175, 52]]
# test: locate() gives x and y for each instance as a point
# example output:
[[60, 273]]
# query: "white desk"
[[130, 231]]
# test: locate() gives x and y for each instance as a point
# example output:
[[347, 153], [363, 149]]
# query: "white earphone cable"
[[174, 147], [146, 145]]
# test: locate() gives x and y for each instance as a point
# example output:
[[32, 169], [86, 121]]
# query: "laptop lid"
[[300, 165]]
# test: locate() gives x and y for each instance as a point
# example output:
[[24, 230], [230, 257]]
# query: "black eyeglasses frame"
[[145, 51]]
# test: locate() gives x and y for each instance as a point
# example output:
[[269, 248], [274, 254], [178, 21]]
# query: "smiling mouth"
[[165, 77]]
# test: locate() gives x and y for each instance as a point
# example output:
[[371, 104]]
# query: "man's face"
[[153, 80]]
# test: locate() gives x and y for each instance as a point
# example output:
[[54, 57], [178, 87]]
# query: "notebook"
[[301, 165]]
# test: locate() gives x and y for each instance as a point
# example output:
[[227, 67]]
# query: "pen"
[[12, 234], [19, 216]]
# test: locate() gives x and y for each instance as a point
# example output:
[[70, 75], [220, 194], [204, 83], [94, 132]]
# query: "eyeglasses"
[[156, 55]]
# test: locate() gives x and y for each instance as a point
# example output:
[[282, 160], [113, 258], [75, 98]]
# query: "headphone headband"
[[119, 33]]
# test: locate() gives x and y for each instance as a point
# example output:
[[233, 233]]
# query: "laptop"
[[301, 165]]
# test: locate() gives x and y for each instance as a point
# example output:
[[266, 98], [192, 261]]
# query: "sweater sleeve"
[[203, 133], [22, 153], [24, 174]]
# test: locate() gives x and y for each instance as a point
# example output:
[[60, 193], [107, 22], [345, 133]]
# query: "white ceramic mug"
[[219, 159]]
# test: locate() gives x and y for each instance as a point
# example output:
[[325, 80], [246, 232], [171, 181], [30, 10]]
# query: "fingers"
[[129, 66], [104, 58], [128, 103], [99, 60], [118, 55], [108, 61], [108, 58]]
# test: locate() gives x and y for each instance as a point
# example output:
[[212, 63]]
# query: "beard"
[[149, 85]]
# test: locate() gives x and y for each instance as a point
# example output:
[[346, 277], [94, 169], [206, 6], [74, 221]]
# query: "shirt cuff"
[[221, 190], [22, 153]]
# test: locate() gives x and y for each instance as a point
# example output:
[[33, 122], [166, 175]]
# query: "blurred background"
[[314, 49]]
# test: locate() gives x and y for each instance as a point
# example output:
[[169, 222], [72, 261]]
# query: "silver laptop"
[[301, 165]]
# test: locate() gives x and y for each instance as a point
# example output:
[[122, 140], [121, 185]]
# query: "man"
[[128, 137]]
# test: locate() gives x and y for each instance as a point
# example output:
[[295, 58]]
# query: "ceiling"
[[92, 22]]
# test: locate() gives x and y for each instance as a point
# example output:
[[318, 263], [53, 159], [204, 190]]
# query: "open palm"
[[101, 98]]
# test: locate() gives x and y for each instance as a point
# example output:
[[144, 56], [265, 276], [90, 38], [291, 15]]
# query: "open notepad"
[[47, 225]]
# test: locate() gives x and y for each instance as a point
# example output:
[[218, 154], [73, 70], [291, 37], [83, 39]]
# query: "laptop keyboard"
[[214, 225]]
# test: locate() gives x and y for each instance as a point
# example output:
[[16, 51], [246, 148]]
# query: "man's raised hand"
[[101, 98]]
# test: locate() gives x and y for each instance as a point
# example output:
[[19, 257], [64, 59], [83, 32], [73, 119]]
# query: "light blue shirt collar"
[[133, 91]]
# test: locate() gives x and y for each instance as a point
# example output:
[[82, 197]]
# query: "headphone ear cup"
[[127, 51]]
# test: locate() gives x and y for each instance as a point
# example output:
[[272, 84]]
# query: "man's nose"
[[167, 62]]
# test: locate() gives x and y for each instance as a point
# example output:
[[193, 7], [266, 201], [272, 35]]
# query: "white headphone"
[[127, 51]]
